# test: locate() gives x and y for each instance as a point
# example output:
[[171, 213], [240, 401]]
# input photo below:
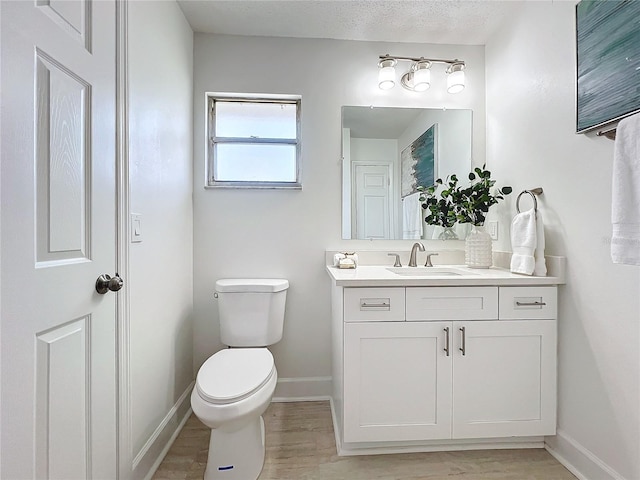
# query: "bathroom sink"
[[427, 271]]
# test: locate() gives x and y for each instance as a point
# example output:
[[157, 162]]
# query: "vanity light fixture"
[[455, 77], [418, 77], [387, 73]]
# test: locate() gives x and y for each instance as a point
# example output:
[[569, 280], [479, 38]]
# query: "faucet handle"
[[428, 262], [397, 264]]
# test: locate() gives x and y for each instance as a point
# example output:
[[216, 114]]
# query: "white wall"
[[239, 232], [161, 273], [531, 143]]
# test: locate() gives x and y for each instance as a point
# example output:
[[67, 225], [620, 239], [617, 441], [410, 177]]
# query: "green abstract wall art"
[[418, 162], [608, 61]]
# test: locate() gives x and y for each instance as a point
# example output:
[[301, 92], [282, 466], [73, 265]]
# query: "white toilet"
[[234, 386]]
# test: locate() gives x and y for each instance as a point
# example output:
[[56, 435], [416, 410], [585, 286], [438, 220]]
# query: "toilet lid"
[[233, 374], [255, 285]]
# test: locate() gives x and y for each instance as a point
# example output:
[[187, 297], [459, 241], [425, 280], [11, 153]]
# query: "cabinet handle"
[[463, 348], [446, 341], [374, 305], [530, 304]]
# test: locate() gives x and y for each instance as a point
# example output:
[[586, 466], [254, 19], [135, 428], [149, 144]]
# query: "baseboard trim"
[[336, 433], [578, 459], [150, 456], [301, 389], [437, 446]]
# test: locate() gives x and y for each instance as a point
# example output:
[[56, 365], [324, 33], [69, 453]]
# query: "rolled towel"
[[540, 269], [352, 256], [346, 263], [523, 242]]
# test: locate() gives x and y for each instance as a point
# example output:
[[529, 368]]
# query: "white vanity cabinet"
[[397, 382], [504, 385], [446, 363]]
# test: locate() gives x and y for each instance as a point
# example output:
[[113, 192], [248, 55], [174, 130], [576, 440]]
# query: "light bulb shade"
[[421, 80], [387, 77], [455, 81]]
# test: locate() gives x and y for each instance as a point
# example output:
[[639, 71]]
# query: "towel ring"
[[533, 193]]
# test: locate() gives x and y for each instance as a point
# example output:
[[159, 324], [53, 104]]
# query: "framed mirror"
[[387, 153]]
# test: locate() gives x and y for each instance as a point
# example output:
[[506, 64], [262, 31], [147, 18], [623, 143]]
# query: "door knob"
[[104, 283]]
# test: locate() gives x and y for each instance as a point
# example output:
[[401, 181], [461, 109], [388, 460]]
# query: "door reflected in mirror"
[[387, 153]]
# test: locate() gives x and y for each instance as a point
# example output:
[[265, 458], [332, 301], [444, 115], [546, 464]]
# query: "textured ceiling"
[[464, 22]]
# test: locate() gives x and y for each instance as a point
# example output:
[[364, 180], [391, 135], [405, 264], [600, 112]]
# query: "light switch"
[[493, 230], [136, 228]]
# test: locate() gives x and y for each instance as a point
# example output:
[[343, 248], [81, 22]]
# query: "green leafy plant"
[[473, 202], [448, 203], [439, 202]]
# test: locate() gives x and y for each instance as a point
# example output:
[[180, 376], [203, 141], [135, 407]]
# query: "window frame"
[[212, 140]]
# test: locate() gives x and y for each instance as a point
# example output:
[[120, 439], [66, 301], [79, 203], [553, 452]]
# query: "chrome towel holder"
[[533, 192]]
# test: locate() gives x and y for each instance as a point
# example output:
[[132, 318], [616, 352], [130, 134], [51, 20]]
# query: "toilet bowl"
[[234, 386]]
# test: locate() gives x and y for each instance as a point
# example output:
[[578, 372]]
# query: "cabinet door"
[[505, 383], [397, 381]]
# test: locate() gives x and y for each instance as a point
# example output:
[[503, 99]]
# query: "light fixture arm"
[[455, 67], [421, 59]]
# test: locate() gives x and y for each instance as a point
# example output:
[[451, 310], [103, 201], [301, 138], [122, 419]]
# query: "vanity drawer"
[[376, 304], [528, 303], [452, 303]]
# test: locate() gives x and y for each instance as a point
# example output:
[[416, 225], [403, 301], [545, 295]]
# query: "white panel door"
[[372, 203], [397, 381], [58, 234], [505, 382]]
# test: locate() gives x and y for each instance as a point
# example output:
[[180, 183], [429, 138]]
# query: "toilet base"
[[236, 455]]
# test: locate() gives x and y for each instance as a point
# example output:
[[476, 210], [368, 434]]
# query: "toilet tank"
[[251, 310]]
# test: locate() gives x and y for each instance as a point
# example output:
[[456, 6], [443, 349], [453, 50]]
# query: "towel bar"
[[610, 134], [533, 192]]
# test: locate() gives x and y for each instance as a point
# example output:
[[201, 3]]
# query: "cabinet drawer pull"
[[375, 304], [463, 347], [446, 341], [530, 304]]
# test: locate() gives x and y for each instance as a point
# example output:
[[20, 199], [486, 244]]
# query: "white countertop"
[[379, 276]]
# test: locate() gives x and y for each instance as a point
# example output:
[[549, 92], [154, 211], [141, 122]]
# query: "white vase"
[[478, 252]]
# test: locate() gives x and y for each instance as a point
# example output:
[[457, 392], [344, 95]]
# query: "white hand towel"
[[540, 269], [412, 217], [523, 242], [625, 202]]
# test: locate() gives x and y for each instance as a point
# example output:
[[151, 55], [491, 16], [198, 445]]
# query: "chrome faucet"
[[412, 258]]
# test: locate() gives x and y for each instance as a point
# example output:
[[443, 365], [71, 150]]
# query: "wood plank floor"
[[301, 446]]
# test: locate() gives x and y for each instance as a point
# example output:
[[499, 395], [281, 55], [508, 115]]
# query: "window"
[[254, 142]]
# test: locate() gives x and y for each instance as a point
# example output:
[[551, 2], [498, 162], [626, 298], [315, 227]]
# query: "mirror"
[[388, 152]]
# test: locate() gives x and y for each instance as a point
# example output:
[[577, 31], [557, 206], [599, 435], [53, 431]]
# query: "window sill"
[[255, 185]]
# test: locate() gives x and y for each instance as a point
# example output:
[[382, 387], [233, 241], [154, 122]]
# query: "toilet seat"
[[234, 374]]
